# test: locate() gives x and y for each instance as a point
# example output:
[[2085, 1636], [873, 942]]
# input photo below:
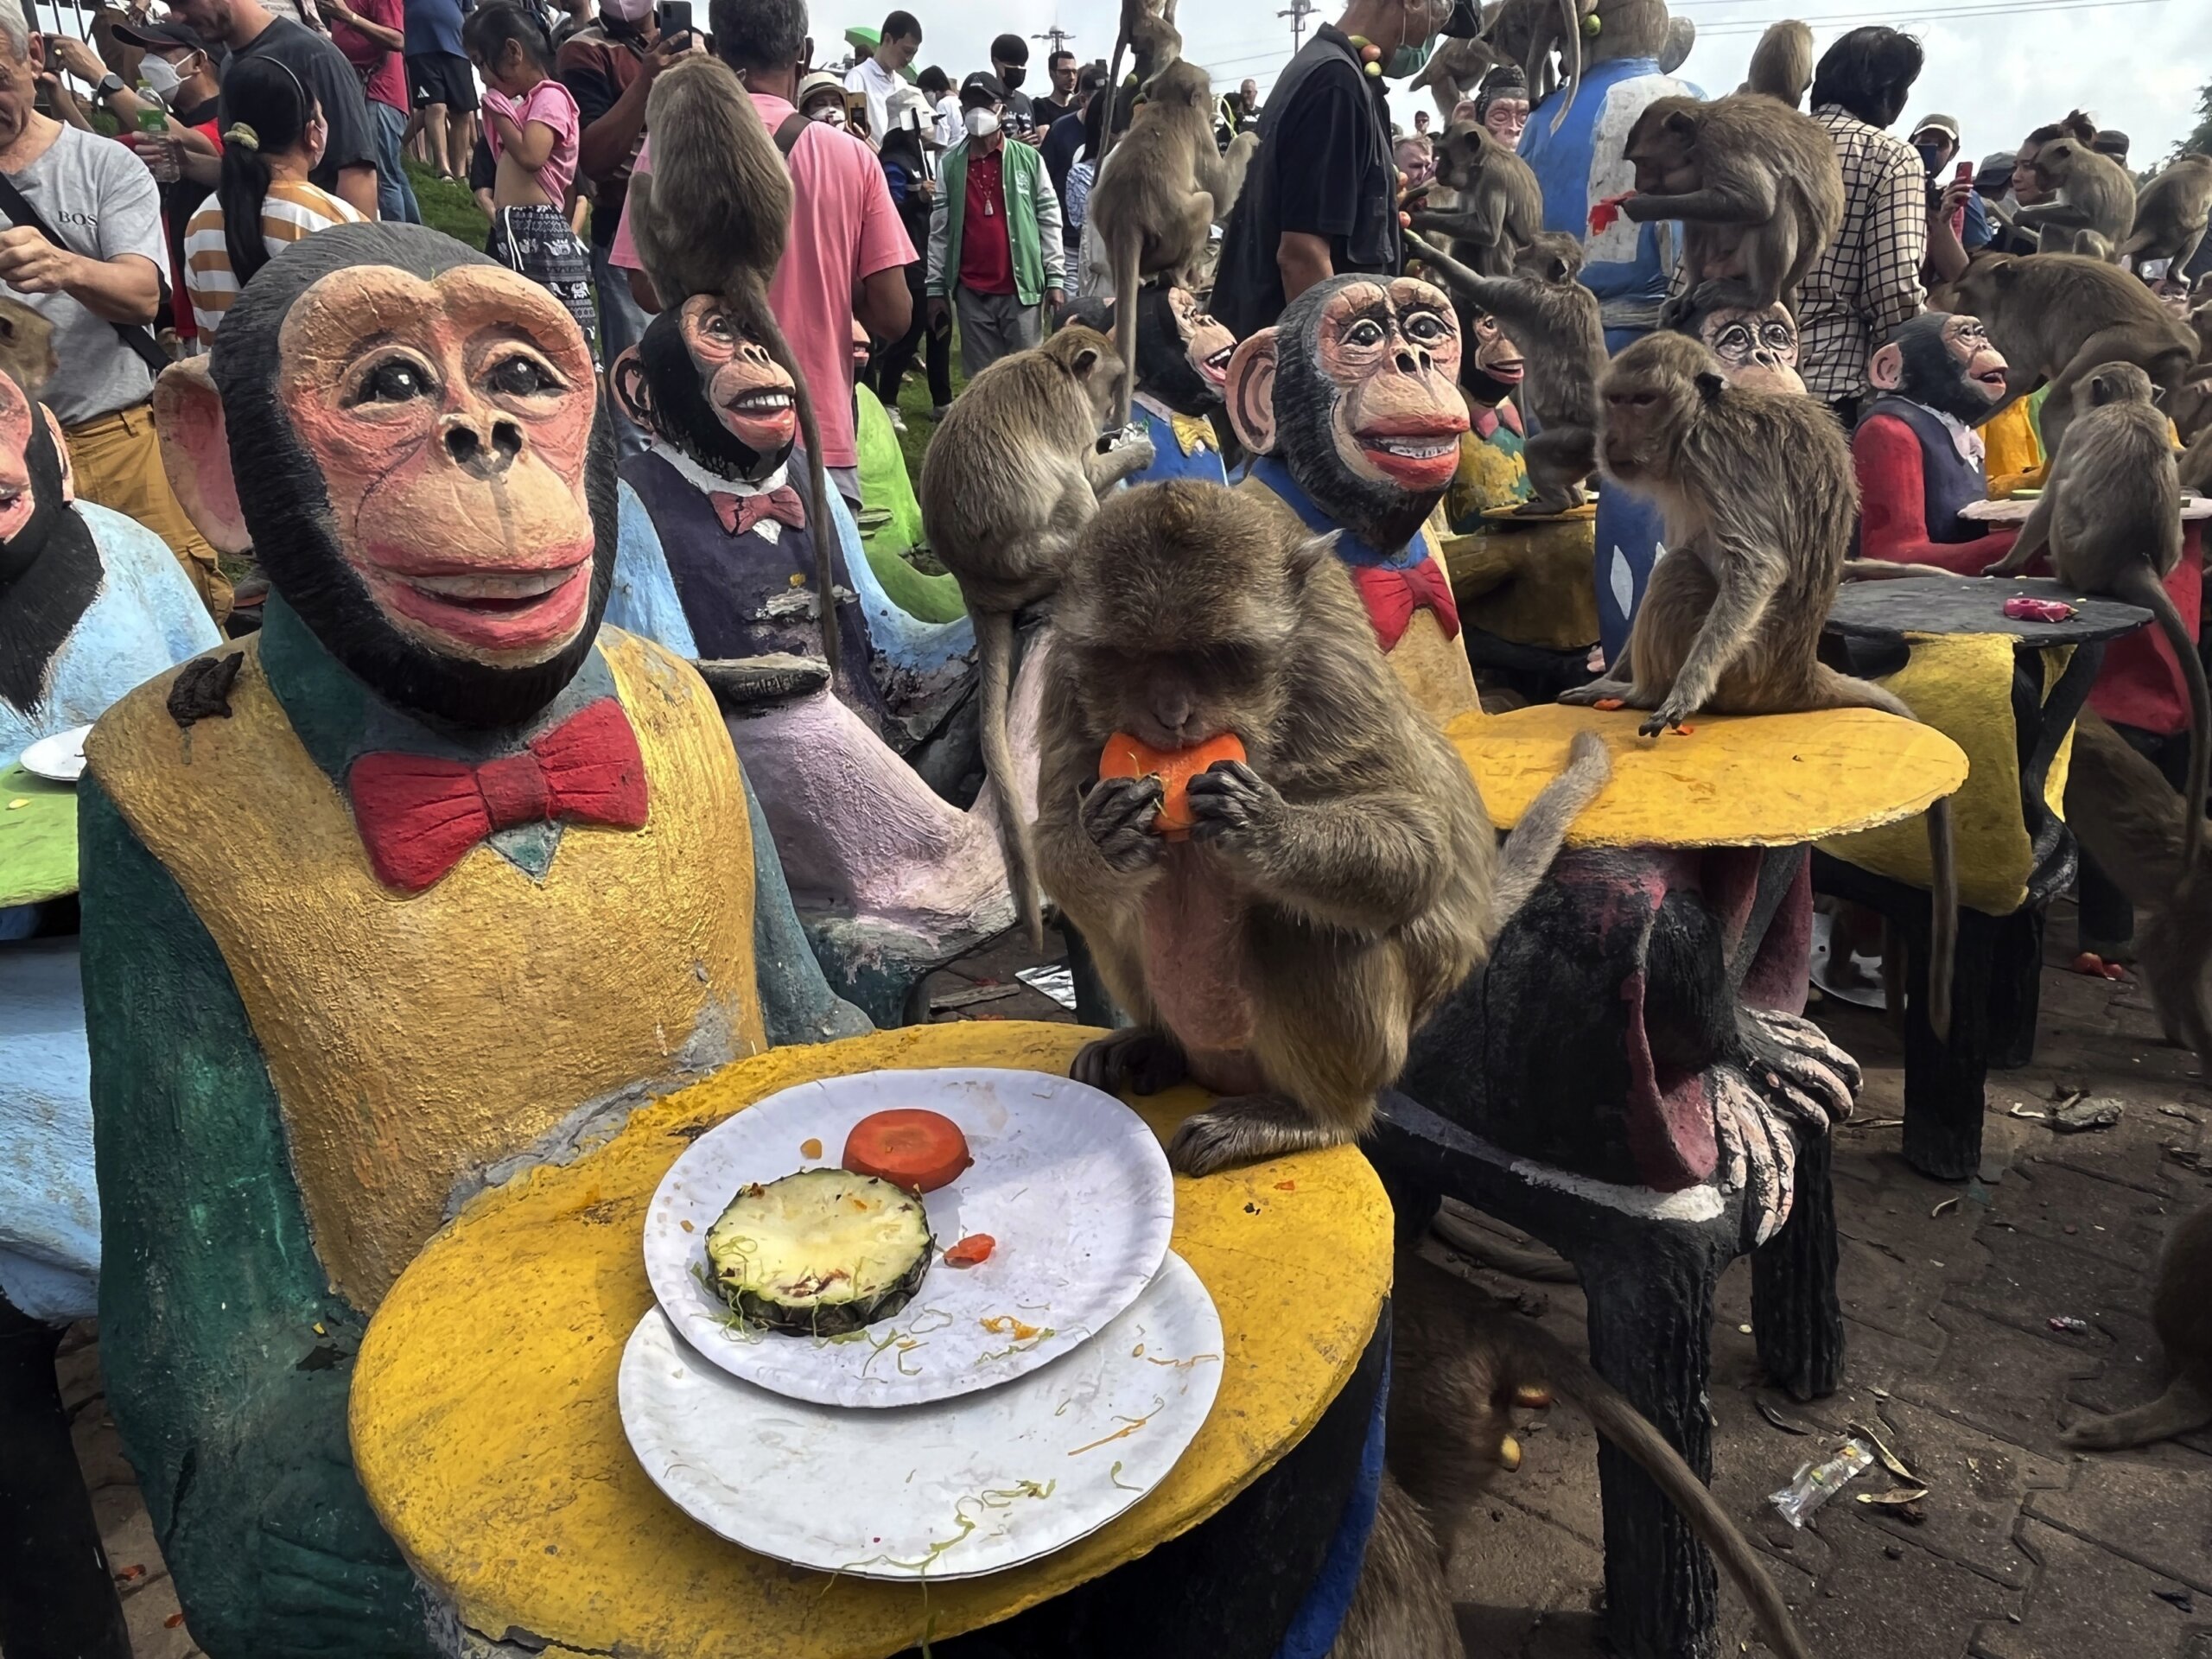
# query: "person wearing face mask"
[[996, 249], [1958, 223], [822, 97], [1321, 198], [1010, 65]]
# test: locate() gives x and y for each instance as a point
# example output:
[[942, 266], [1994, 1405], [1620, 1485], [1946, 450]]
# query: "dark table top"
[[1890, 609]]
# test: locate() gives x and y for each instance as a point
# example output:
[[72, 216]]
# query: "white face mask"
[[981, 123], [160, 75], [633, 12]]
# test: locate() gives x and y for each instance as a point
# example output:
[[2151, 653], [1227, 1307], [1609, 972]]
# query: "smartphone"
[[675, 16]]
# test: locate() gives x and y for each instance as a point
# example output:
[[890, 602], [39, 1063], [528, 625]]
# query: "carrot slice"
[[1129, 757], [917, 1150], [976, 1247]]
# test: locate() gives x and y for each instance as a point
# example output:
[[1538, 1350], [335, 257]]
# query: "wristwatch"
[[110, 84]]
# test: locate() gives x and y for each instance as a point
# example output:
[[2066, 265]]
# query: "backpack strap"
[[792, 129]]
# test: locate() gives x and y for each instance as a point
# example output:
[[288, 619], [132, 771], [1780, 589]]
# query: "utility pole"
[[1059, 37], [1297, 14]]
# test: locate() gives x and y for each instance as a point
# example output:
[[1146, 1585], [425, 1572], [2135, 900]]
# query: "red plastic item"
[[1605, 211], [2021, 608]]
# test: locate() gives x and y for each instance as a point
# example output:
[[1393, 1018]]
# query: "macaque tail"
[[2136, 586], [1617, 1418], [1781, 63], [750, 302], [1889, 571], [995, 658], [1536, 840], [1113, 90], [1128, 254], [1842, 692], [2183, 1406]]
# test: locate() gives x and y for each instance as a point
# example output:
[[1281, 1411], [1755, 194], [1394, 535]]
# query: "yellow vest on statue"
[[414, 1040]]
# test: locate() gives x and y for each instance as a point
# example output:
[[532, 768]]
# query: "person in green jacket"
[[994, 236]]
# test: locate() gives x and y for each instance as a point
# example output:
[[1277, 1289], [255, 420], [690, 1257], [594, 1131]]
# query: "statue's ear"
[[1887, 371], [1251, 392], [61, 453], [196, 454], [632, 394]]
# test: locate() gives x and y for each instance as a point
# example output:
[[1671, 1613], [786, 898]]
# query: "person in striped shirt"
[[265, 202]]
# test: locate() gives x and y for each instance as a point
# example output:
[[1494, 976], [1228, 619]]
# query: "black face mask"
[[1931, 158], [1011, 79]]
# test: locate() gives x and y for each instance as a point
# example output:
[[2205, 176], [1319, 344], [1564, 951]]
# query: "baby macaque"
[[1334, 885]]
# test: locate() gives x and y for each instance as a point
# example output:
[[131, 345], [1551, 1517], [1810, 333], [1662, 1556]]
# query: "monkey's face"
[[19, 424], [1662, 147], [748, 391], [1391, 352], [1651, 396], [2053, 164], [450, 419], [1494, 368], [1758, 348], [1979, 364], [1460, 156], [1183, 354]]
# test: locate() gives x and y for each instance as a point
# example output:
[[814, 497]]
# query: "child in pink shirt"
[[531, 126]]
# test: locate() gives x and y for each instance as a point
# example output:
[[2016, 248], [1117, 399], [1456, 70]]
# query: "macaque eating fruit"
[[1338, 881], [1732, 619]]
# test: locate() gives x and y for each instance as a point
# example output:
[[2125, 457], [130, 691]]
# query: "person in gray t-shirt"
[[100, 201]]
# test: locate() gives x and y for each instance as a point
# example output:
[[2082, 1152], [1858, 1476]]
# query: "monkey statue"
[[740, 541], [1916, 450], [1754, 345], [485, 877], [1349, 408], [92, 603], [1493, 469], [1334, 885], [1182, 363]]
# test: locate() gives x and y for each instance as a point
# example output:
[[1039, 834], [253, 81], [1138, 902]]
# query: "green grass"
[[447, 205], [914, 405]]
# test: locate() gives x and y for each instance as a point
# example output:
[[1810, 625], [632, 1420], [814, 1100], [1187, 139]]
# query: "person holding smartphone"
[[1958, 222]]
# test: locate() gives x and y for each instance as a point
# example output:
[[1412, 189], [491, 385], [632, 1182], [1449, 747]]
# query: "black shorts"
[[442, 77]]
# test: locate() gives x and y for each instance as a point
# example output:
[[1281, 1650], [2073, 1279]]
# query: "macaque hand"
[[1667, 716], [1232, 804], [1117, 815]]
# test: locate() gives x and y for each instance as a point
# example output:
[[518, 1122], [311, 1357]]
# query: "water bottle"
[[154, 146]]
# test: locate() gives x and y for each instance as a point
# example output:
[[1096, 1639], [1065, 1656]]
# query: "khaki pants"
[[116, 461]]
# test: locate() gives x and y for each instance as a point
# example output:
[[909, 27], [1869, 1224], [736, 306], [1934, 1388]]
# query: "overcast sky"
[[2001, 69]]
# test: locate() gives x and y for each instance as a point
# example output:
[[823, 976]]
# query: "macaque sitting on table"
[[1351, 408], [1918, 457], [1183, 357], [431, 875]]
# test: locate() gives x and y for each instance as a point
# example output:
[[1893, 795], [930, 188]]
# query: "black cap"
[[1009, 49], [159, 37], [1464, 22], [982, 87]]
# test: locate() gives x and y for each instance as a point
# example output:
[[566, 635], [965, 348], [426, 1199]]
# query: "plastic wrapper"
[[1815, 1482]]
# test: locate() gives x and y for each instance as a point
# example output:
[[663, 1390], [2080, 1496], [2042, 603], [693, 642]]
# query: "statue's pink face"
[[1506, 118]]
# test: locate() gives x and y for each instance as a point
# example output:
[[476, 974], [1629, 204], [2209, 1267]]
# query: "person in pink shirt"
[[847, 253], [372, 33], [530, 126]]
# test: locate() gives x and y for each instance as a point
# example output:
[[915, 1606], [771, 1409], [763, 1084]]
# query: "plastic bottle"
[[154, 146]]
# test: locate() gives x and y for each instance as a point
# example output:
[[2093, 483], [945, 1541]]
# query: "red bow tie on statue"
[[739, 513], [419, 815], [1393, 596]]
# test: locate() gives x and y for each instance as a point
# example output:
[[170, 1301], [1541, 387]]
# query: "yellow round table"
[[485, 1430], [1742, 780]]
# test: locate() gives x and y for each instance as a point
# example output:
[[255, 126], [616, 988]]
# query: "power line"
[[1727, 26]]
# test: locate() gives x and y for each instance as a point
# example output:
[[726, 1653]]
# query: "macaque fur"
[[2181, 1313], [1148, 26], [1500, 206], [712, 217], [1754, 183], [1555, 321], [1781, 63], [1015, 473], [1460, 1360], [1156, 207], [1339, 882], [2171, 214], [2095, 193], [1759, 497], [2109, 520]]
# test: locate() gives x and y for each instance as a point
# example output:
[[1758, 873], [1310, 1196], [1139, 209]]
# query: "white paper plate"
[[1034, 1466], [58, 758], [1068, 1180]]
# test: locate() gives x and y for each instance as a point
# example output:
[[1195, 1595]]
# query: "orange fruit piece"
[[1129, 757]]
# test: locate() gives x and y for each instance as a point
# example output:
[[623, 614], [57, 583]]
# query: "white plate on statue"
[[58, 758], [947, 1490], [1069, 1182]]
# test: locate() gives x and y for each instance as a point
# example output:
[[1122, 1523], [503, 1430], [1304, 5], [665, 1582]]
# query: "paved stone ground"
[[2026, 1551]]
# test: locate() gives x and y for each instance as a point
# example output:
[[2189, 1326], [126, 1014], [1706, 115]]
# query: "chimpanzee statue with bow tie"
[[716, 484], [1351, 409], [432, 877]]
